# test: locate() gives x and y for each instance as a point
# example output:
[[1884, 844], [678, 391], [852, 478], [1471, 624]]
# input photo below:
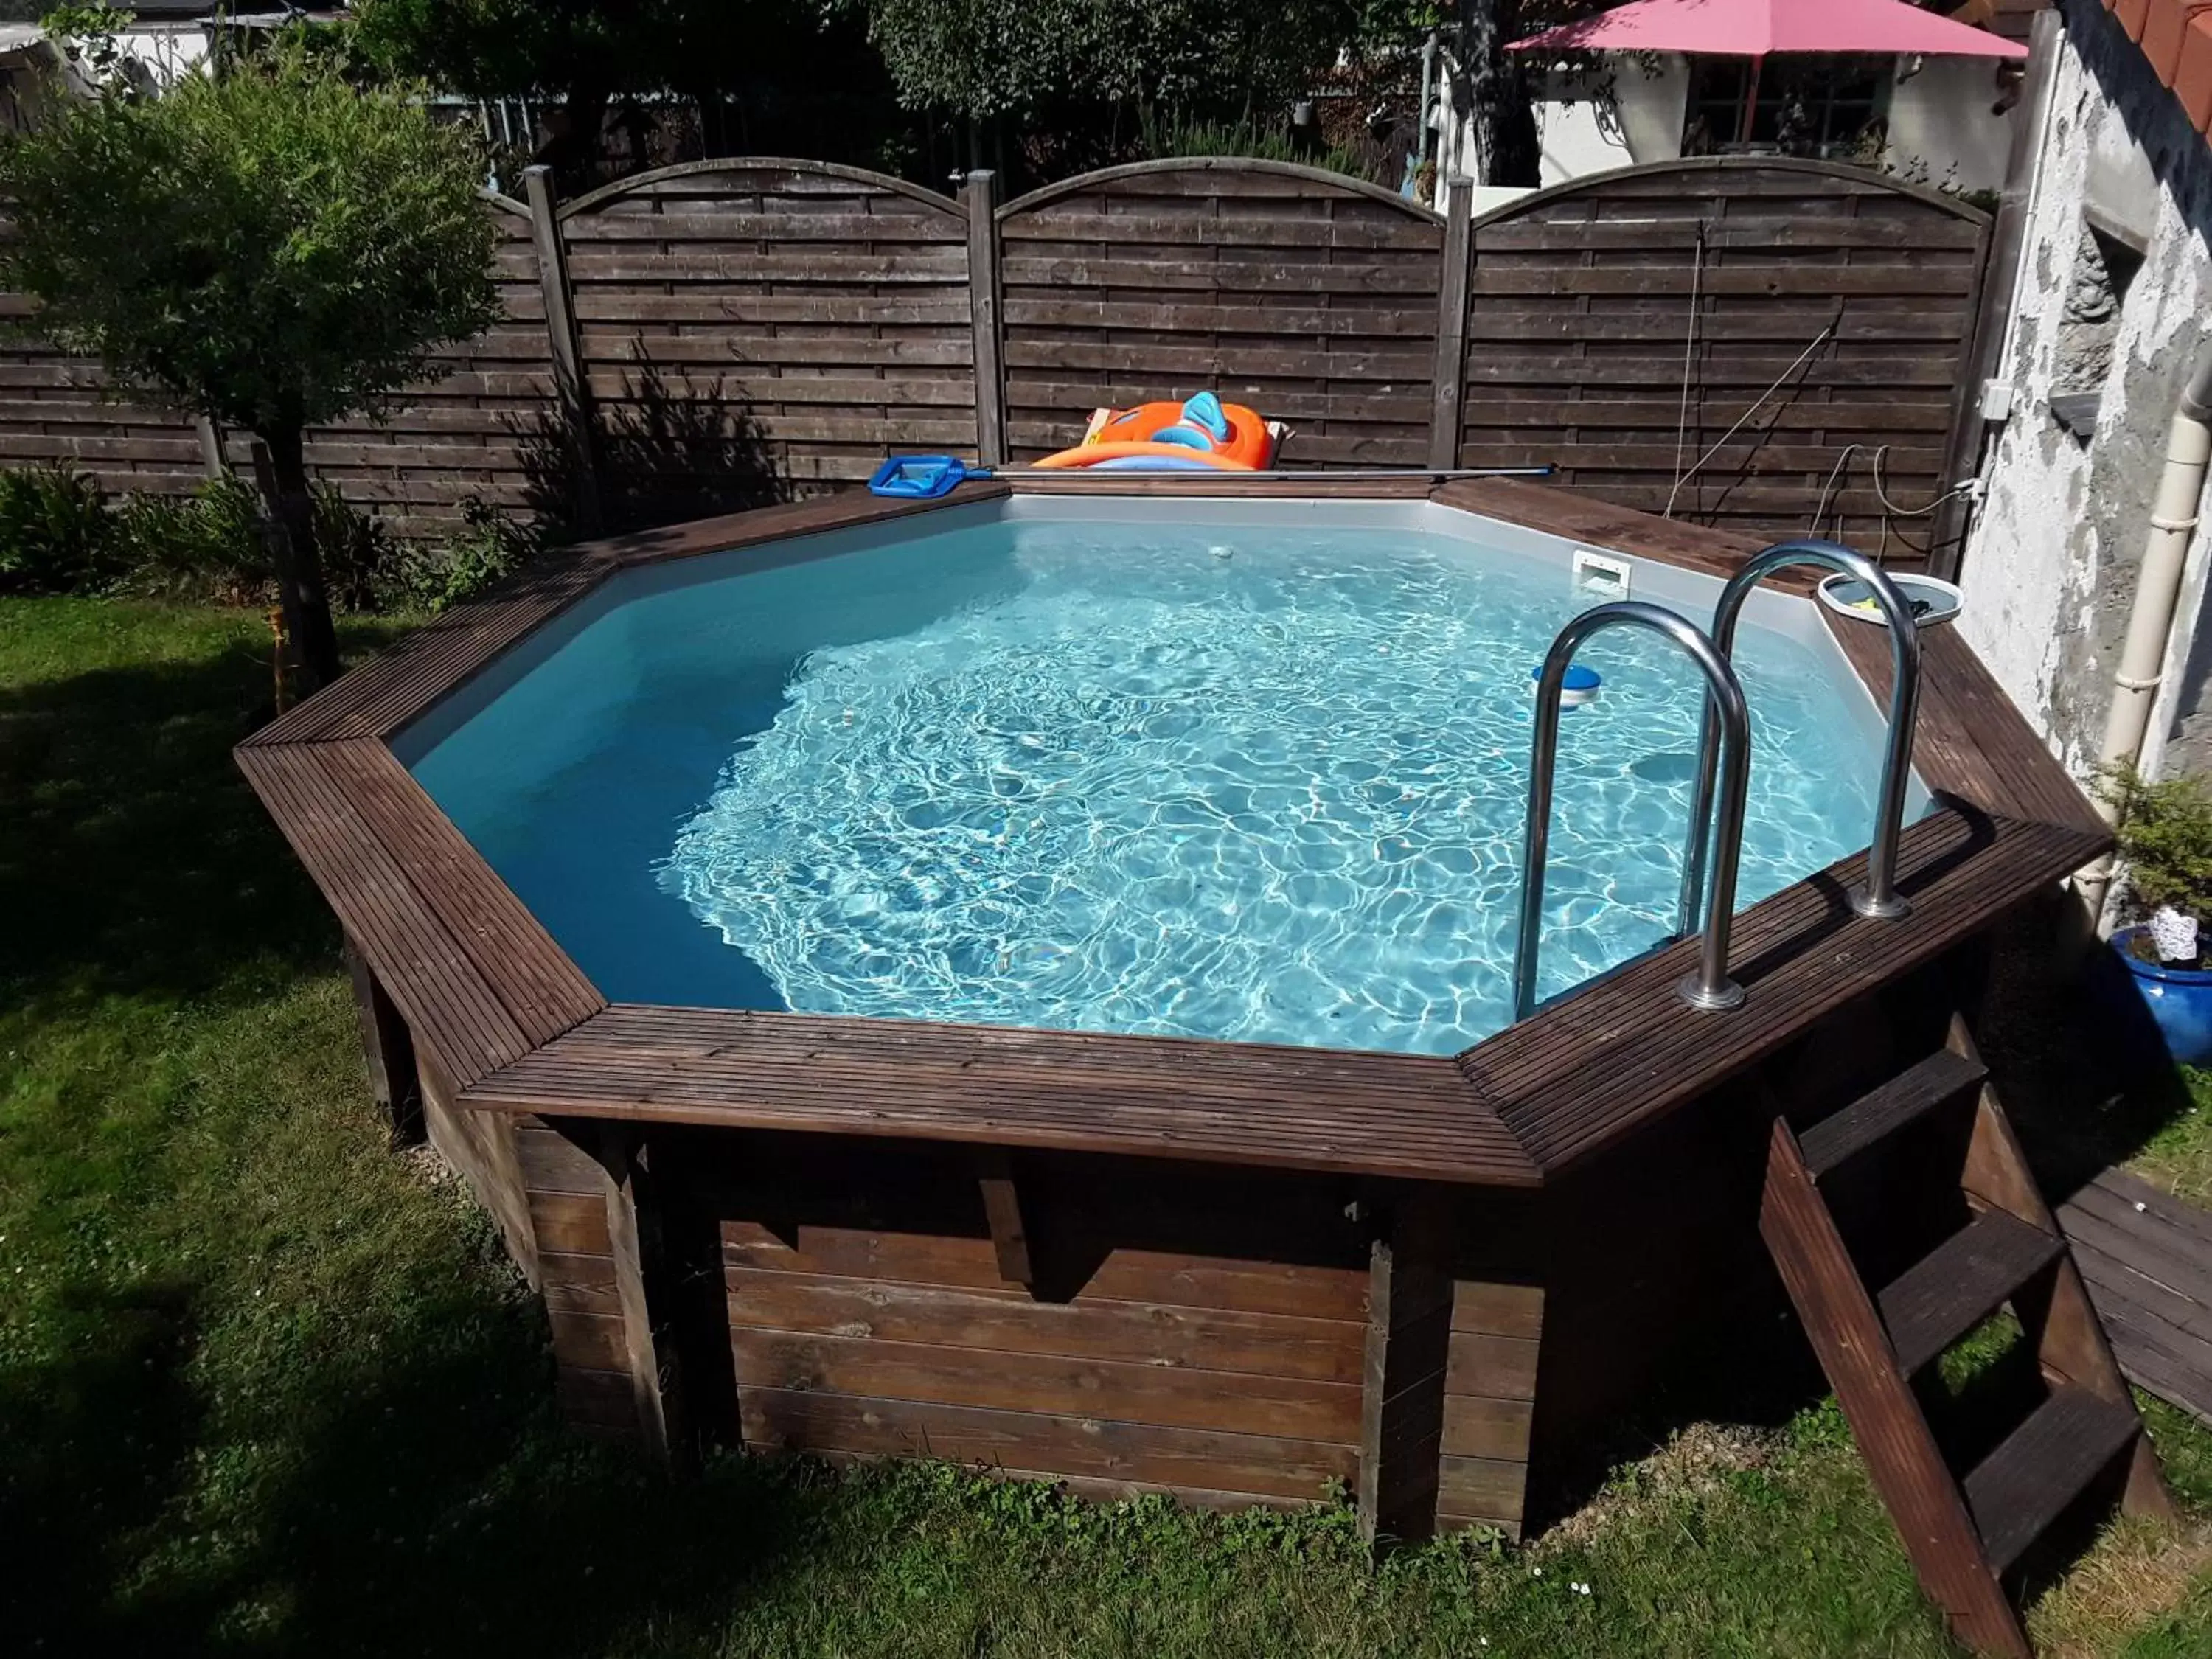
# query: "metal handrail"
[[1878, 897], [1709, 986]]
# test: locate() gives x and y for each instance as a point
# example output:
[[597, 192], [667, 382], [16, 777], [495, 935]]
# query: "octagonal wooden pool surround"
[[1238, 1273]]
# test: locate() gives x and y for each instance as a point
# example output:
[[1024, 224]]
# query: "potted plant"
[[2165, 845]]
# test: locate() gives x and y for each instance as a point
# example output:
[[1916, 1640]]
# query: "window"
[[1830, 107]]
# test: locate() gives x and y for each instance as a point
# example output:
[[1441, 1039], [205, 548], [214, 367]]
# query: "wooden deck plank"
[[1585, 519], [1971, 743], [1150, 1097], [540, 987], [2150, 1274], [1533, 1099], [1961, 1283], [1583, 1071], [391, 691], [1264, 1465], [2047, 1463], [448, 1007], [385, 693], [1882, 1112]]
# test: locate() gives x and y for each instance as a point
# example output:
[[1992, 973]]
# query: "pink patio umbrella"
[[1755, 28]]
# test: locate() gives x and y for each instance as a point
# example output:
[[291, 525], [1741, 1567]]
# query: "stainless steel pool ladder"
[[1878, 897], [1709, 985]]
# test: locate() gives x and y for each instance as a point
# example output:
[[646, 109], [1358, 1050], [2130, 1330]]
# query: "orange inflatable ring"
[[1132, 434], [1094, 453]]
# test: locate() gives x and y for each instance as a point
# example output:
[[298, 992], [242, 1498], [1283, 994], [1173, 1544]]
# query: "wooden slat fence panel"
[[54, 410], [786, 323], [816, 316], [1579, 342], [1311, 298], [459, 436], [476, 429]]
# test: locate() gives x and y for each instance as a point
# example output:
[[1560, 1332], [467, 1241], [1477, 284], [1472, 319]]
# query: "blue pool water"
[[1260, 785]]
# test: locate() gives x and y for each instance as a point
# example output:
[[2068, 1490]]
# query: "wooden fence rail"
[[1735, 341]]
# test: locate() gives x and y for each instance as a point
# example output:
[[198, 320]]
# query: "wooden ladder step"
[[1879, 1113], [1961, 1282], [2026, 1483]]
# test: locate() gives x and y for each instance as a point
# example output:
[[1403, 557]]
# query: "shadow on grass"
[[2084, 1078], [426, 1504], [97, 1450], [133, 858]]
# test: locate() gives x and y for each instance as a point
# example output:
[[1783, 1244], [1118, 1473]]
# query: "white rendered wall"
[[1593, 121], [1944, 128], [2050, 568]]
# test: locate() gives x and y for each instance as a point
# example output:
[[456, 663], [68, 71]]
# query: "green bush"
[[61, 534], [2165, 837], [207, 546], [1165, 140], [362, 565], [489, 545], [57, 534]]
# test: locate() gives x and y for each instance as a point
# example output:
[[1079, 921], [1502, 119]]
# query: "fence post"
[[571, 390], [211, 460], [1450, 371], [980, 196]]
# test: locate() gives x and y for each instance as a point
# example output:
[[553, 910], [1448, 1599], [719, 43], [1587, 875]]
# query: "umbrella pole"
[[1750, 102]]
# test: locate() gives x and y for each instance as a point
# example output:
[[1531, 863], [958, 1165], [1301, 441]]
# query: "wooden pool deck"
[[515, 1026], [1227, 1271]]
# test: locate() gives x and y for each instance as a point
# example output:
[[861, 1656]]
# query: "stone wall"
[[2050, 571]]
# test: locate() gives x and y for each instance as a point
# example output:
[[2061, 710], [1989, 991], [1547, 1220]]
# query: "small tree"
[[271, 248]]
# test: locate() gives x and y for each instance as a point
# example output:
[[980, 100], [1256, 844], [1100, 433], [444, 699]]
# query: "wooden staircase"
[[1848, 1212]]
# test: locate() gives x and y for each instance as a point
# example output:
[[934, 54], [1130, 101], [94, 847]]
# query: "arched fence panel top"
[[1310, 297], [1224, 177], [781, 180], [504, 203], [1674, 189], [1738, 341]]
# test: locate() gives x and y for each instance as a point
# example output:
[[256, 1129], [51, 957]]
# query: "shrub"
[[60, 533], [208, 546], [1162, 141], [363, 565], [489, 546], [2165, 837], [56, 533]]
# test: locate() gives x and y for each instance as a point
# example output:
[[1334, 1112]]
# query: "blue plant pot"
[[2177, 999]]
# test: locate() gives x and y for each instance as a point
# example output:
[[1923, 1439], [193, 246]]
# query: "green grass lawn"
[[266, 1389]]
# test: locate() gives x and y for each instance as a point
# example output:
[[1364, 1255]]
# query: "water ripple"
[[1273, 797]]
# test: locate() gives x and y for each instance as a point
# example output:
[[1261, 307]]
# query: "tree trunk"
[[1497, 94], [299, 563], [573, 152]]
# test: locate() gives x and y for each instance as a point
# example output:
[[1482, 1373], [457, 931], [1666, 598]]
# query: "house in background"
[[1942, 121]]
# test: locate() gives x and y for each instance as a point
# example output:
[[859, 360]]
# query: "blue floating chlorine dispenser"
[[1581, 686]]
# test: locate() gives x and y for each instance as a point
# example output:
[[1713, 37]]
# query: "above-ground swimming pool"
[[1037, 777], [1245, 770]]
